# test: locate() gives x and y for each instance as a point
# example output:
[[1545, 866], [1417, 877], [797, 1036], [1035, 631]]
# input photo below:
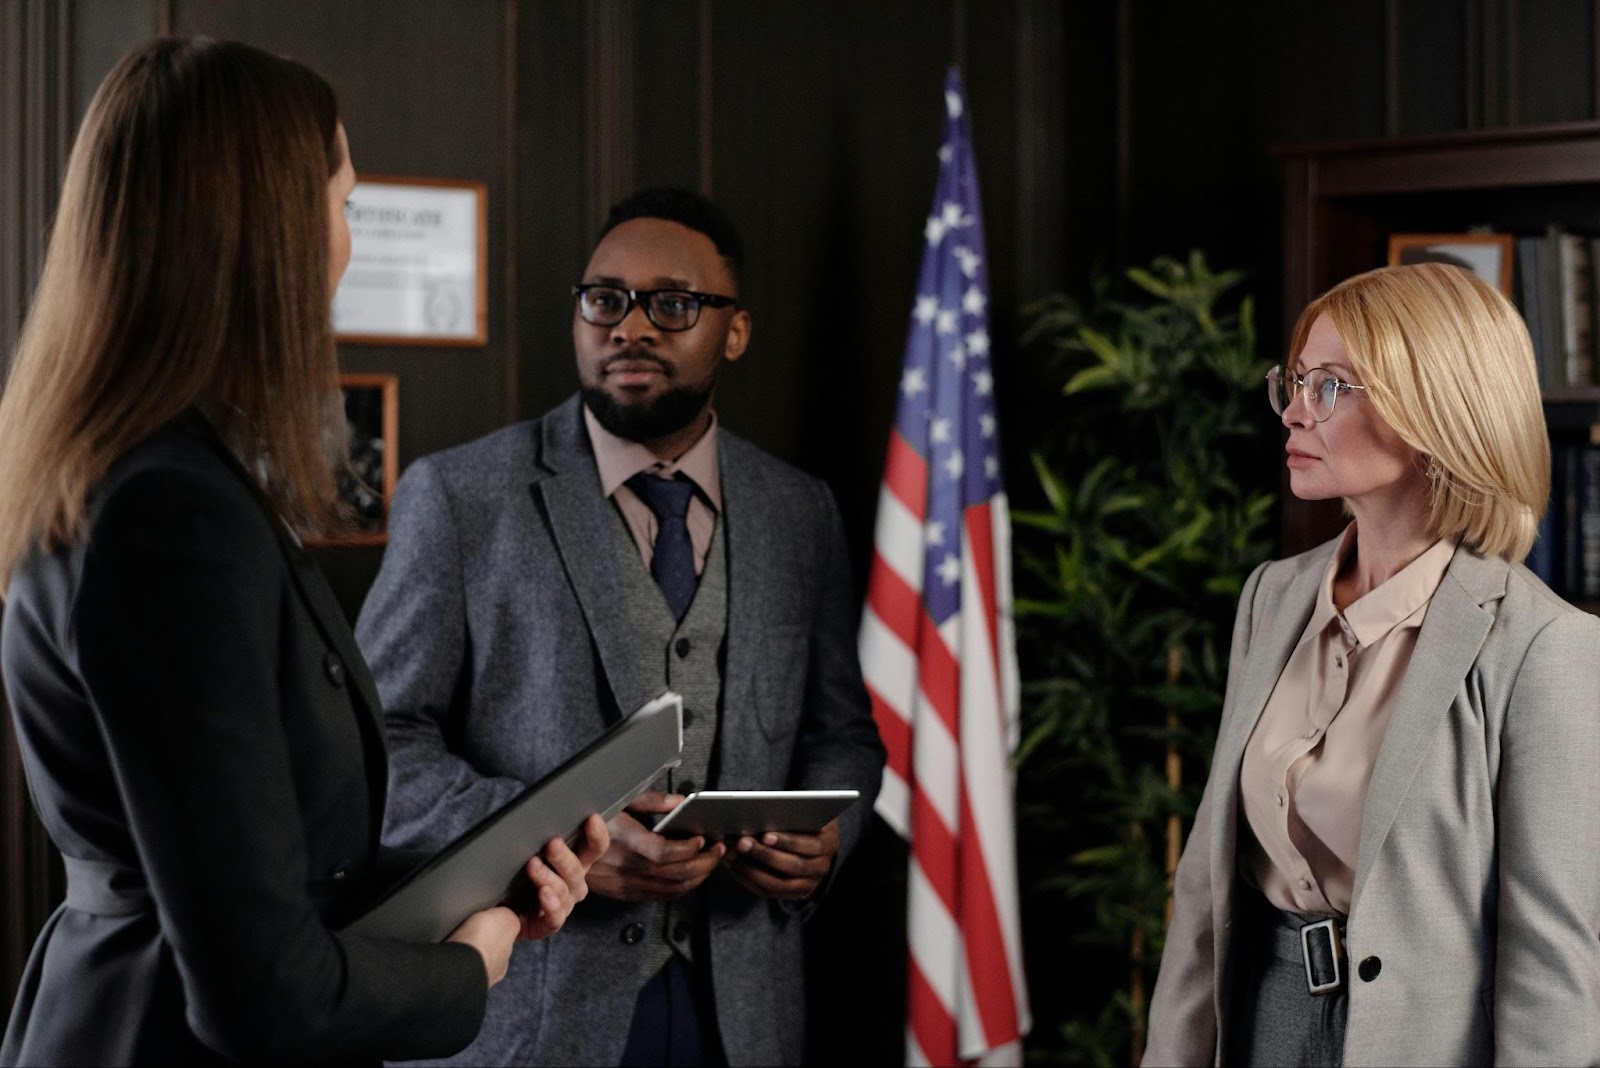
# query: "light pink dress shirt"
[[620, 459], [1303, 784]]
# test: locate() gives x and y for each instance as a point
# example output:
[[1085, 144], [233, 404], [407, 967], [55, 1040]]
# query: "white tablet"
[[728, 813]]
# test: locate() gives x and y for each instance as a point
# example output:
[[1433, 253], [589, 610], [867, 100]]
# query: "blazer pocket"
[[781, 679]]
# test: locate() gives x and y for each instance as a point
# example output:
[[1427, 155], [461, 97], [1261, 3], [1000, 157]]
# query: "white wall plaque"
[[417, 256]]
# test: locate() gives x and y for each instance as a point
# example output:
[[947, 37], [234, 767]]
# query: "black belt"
[[105, 888], [1318, 946]]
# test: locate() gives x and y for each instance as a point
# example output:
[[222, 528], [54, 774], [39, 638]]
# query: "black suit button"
[[339, 873], [632, 934], [680, 932], [1369, 969], [335, 668], [683, 647], [688, 717]]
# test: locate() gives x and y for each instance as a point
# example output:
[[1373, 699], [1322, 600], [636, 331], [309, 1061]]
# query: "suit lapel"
[[1452, 634], [328, 616], [566, 488], [1284, 614], [1277, 633], [747, 565]]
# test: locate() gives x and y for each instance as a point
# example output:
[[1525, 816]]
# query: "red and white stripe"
[[946, 699]]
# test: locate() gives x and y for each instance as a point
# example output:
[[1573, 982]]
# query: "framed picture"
[[372, 411], [1486, 255], [417, 276]]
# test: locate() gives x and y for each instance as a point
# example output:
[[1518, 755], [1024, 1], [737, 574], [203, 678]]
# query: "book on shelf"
[[1558, 293], [1566, 554]]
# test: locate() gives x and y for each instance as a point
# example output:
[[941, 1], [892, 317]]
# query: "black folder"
[[479, 869]]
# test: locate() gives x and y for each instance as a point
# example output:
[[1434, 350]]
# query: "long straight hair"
[[188, 263]]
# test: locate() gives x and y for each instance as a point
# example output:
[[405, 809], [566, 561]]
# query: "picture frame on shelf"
[[418, 263], [366, 483], [1487, 255]]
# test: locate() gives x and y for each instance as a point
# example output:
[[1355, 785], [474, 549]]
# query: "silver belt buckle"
[[1335, 955]]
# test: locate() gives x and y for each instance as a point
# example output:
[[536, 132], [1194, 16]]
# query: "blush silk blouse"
[[1303, 783]]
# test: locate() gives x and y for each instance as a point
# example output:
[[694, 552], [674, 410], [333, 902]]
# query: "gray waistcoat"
[[685, 657]]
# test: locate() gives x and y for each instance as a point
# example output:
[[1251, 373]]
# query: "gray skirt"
[[1275, 1020]]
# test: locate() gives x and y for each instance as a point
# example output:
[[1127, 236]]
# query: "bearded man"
[[546, 579]]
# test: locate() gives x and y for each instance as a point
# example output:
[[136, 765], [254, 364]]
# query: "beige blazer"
[[1477, 883]]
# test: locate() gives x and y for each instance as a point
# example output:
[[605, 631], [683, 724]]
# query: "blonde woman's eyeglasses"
[[1322, 389]]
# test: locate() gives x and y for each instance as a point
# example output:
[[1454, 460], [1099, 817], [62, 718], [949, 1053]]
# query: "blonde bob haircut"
[[1449, 365]]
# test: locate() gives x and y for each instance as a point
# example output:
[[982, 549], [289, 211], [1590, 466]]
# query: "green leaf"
[[1059, 496], [1090, 378], [1149, 283]]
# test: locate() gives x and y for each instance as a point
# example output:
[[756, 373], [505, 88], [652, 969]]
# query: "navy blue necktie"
[[672, 561]]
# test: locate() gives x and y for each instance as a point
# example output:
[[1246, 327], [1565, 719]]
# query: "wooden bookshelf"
[[1343, 199]]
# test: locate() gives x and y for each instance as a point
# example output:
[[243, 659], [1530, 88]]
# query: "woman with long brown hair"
[[199, 731]]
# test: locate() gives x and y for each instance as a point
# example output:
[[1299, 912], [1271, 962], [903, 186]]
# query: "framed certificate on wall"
[[417, 275]]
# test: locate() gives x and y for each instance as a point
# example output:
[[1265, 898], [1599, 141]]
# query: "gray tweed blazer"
[[1477, 883], [497, 635]]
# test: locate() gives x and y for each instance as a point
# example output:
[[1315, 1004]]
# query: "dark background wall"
[[1108, 131]]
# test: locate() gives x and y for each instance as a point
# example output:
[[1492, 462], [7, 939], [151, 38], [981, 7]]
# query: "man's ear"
[[738, 336]]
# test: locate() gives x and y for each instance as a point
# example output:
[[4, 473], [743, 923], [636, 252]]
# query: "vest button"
[[688, 717], [686, 786], [683, 646], [335, 669], [1369, 969], [632, 934]]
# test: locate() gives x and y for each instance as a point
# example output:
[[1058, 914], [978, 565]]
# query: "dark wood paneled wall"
[[1107, 132]]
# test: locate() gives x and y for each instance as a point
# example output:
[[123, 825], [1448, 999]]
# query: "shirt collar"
[[619, 459], [1373, 615]]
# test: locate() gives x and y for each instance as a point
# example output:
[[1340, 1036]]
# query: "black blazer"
[[200, 737]]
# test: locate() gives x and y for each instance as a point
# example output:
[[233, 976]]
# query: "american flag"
[[937, 647]]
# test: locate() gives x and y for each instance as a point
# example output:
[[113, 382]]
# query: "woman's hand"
[[559, 877], [492, 933]]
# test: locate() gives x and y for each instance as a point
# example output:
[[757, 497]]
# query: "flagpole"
[[958, 35]]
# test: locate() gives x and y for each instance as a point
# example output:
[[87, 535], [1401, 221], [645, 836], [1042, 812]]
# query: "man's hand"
[[785, 866], [559, 878], [644, 866]]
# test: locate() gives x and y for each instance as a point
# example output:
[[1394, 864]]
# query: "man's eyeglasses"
[[669, 309], [1322, 389]]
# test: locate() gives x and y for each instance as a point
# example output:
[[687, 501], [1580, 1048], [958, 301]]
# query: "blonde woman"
[[1397, 858], [200, 734]]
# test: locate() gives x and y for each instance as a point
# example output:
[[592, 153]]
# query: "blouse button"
[[1305, 884], [1280, 800], [1312, 733], [1338, 661]]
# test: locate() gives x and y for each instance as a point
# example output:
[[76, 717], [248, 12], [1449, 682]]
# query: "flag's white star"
[[950, 570], [939, 432], [952, 217], [955, 464], [927, 308], [978, 342], [952, 104], [974, 301], [934, 231], [986, 423], [946, 321], [958, 357], [933, 534], [946, 153], [991, 466], [969, 260], [914, 381], [983, 381]]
